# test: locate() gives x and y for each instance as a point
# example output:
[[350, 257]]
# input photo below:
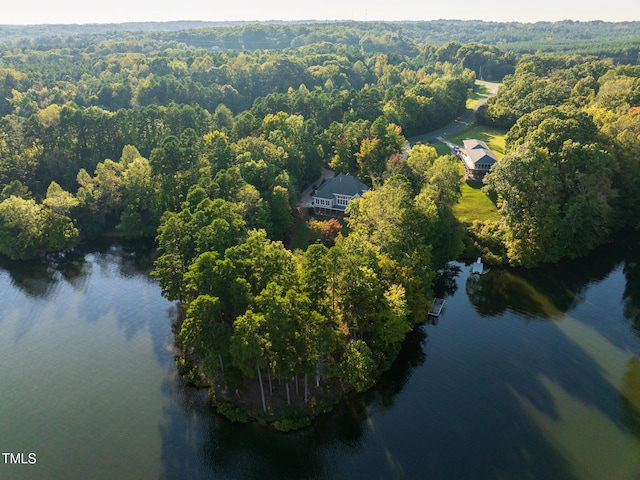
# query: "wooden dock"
[[436, 308]]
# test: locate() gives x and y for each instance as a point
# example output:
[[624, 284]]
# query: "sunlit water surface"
[[526, 374]]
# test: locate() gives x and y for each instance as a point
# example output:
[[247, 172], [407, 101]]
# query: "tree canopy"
[[203, 139], [567, 182]]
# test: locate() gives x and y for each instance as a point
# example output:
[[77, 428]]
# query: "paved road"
[[460, 122]]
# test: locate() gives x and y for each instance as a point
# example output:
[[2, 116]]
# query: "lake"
[[526, 374]]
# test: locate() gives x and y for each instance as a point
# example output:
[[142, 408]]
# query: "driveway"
[[457, 124], [305, 196]]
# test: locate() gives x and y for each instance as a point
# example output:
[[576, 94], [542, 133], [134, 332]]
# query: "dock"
[[436, 308], [477, 267]]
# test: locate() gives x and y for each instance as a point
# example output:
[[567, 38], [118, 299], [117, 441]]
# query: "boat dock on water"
[[436, 308], [477, 267]]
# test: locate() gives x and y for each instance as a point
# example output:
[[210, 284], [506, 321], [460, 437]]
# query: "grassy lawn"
[[493, 137], [474, 205], [479, 91], [441, 148]]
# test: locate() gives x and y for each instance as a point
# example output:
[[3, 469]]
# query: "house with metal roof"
[[333, 196], [477, 159]]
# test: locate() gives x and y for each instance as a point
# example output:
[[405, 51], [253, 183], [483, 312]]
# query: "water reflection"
[[446, 284], [205, 445], [41, 277], [587, 366], [507, 399], [549, 291], [631, 295], [35, 278], [482, 394], [591, 444], [108, 282], [232, 451], [566, 387], [411, 357], [127, 259]]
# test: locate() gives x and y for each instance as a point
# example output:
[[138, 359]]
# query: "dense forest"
[[572, 174], [169, 135], [207, 151], [272, 118]]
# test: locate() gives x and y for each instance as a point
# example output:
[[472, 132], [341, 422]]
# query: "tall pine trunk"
[[306, 387], [220, 355], [264, 403], [221, 363], [288, 396]]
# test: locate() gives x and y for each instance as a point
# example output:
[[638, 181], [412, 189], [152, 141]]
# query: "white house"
[[333, 196], [477, 159]]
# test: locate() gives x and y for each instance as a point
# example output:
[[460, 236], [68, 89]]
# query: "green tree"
[[396, 316], [588, 214], [222, 118], [59, 201], [356, 365], [60, 231], [170, 267], [347, 140], [248, 347], [260, 261], [28, 229], [206, 226], [19, 156], [281, 213], [16, 189], [528, 187], [139, 197], [176, 163], [371, 160], [420, 160], [206, 334], [575, 173], [444, 181], [21, 228], [283, 311], [217, 149]]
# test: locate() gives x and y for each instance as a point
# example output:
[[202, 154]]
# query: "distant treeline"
[[619, 41]]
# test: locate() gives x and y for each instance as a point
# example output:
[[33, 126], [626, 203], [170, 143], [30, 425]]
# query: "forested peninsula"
[[202, 138]]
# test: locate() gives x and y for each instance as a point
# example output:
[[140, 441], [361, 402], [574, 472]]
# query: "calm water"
[[526, 374]]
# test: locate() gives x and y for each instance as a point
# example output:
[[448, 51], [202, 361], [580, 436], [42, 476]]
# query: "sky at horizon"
[[119, 11]]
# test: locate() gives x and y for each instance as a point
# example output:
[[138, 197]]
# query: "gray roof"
[[341, 185], [479, 153]]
